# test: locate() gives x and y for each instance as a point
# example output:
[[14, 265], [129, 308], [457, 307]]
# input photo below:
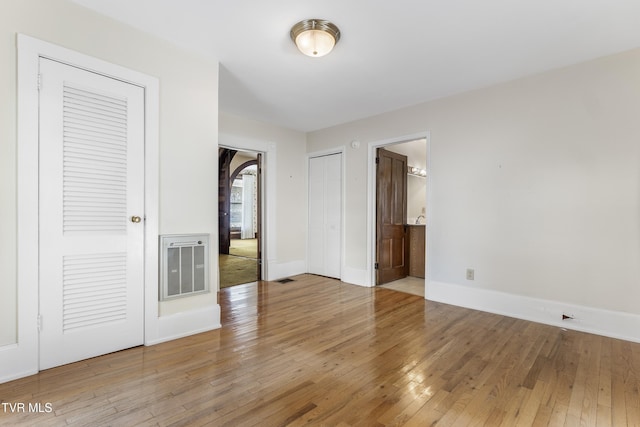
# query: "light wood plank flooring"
[[318, 352]]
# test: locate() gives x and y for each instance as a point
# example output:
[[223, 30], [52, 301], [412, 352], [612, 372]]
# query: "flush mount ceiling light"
[[315, 37]]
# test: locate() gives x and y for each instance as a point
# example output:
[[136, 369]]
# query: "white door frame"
[[22, 358], [371, 211]]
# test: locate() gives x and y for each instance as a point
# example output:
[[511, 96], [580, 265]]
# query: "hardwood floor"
[[318, 352]]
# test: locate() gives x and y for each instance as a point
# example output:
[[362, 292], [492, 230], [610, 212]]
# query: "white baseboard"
[[21, 360], [18, 375], [597, 321], [356, 276], [183, 324], [277, 271], [17, 362]]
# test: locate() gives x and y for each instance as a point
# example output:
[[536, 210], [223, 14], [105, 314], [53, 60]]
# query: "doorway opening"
[[400, 215], [240, 213]]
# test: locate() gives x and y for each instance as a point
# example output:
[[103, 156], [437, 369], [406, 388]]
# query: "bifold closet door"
[[325, 215]]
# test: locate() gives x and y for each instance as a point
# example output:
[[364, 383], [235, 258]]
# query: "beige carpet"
[[235, 270], [244, 247]]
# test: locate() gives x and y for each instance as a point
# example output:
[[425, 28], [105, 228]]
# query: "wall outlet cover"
[[470, 274]]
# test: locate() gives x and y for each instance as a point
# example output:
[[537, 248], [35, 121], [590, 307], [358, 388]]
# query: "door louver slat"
[[95, 162], [94, 290]]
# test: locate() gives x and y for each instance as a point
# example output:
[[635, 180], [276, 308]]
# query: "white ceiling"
[[392, 53]]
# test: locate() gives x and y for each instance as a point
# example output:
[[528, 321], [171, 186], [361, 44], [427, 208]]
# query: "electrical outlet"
[[470, 274]]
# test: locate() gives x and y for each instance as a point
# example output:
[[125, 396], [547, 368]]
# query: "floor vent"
[[287, 280]]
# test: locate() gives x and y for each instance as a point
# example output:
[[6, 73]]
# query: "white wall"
[[188, 127], [534, 183], [287, 208]]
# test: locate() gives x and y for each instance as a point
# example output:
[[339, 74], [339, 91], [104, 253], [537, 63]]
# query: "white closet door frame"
[[21, 359]]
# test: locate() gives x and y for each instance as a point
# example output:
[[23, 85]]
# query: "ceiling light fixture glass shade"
[[315, 37]]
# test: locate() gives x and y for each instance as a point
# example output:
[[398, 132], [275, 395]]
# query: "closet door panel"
[[325, 215]]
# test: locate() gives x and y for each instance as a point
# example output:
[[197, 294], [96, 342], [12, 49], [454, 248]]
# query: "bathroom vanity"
[[416, 249]]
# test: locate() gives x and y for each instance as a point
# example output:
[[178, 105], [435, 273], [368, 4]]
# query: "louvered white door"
[[91, 185]]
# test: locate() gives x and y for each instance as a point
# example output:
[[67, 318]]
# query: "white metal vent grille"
[[94, 290], [184, 265], [95, 161]]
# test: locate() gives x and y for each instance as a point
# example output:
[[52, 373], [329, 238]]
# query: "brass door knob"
[[136, 219]]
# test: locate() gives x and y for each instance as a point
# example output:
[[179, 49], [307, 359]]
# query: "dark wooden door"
[[259, 210], [391, 216], [224, 198]]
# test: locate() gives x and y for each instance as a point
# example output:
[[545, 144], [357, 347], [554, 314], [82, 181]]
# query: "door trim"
[[23, 357], [371, 208]]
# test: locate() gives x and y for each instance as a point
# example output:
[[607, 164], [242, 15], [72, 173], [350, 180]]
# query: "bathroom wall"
[[416, 152]]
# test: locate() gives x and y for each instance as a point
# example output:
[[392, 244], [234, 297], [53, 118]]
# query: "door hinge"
[[377, 160], [39, 81], [375, 265], [39, 321]]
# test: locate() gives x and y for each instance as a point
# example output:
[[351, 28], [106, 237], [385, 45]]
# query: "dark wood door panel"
[[391, 215], [224, 198]]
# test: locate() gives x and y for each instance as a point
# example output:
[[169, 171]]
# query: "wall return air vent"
[[184, 265]]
